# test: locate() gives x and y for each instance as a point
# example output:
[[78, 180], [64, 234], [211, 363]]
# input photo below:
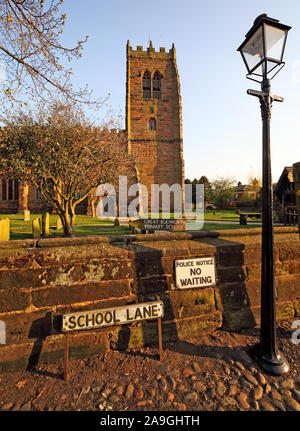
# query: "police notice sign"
[[197, 272]]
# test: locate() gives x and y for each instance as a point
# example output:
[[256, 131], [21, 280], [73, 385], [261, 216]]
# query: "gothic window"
[[4, 196], [157, 85], [16, 189], [147, 85], [10, 190], [38, 195], [152, 124]]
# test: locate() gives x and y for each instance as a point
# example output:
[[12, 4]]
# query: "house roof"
[[288, 172], [243, 188]]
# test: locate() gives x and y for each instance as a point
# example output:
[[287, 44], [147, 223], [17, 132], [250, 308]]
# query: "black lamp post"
[[262, 52]]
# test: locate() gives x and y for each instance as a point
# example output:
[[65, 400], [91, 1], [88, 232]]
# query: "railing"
[[290, 215]]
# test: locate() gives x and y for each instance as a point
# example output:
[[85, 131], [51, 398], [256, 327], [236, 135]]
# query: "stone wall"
[[40, 280]]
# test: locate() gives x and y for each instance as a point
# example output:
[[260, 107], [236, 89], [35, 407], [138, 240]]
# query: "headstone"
[[4, 229], [7, 228], [45, 224], [58, 223], [36, 228], [26, 215]]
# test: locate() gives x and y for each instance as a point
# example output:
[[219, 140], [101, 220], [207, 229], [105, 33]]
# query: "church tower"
[[153, 116]]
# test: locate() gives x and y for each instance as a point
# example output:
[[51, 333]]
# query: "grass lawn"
[[219, 215], [18, 224], [86, 225], [17, 220], [79, 231], [227, 215], [220, 226]]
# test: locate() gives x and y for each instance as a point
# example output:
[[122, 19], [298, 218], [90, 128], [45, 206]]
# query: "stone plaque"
[[159, 224]]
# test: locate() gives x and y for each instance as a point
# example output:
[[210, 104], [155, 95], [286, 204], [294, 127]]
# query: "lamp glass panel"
[[274, 38], [253, 50], [271, 65]]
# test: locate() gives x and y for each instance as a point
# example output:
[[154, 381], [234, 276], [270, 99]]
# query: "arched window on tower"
[[157, 85], [152, 124], [147, 85]]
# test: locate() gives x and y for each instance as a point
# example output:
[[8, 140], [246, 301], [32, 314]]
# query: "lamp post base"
[[277, 365]]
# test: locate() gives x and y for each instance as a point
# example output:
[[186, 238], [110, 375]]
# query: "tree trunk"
[[67, 221], [72, 216], [93, 208]]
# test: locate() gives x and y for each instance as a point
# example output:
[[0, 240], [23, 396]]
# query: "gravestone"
[[36, 228], [4, 229], [26, 215], [45, 224]]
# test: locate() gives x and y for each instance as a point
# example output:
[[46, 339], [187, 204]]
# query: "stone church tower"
[[153, 116]]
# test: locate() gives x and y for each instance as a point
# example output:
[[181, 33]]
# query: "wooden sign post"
[[66, 359]]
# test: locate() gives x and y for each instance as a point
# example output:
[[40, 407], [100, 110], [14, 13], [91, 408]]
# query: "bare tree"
[[31, 54], [63, 155]]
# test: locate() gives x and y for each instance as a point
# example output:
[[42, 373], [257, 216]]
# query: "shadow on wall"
[[150, 282], [40, 330], [233, 297]]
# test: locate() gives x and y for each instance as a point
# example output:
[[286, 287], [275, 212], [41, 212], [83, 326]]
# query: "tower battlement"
[[150, 50]]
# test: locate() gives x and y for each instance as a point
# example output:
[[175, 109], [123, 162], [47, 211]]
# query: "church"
[[153, 129]]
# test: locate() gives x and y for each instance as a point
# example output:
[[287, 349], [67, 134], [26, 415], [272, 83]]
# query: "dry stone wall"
[[40, 280]]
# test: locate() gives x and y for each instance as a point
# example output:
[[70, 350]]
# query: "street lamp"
[[262, 52]]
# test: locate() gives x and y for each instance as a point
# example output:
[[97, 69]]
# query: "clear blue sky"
[[221, 123]]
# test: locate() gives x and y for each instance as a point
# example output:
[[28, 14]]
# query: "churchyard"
[[87, 225]]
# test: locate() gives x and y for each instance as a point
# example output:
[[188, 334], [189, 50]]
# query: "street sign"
[[112, 316]]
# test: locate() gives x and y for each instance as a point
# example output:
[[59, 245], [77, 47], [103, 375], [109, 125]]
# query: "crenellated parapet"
[[150, 51]]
